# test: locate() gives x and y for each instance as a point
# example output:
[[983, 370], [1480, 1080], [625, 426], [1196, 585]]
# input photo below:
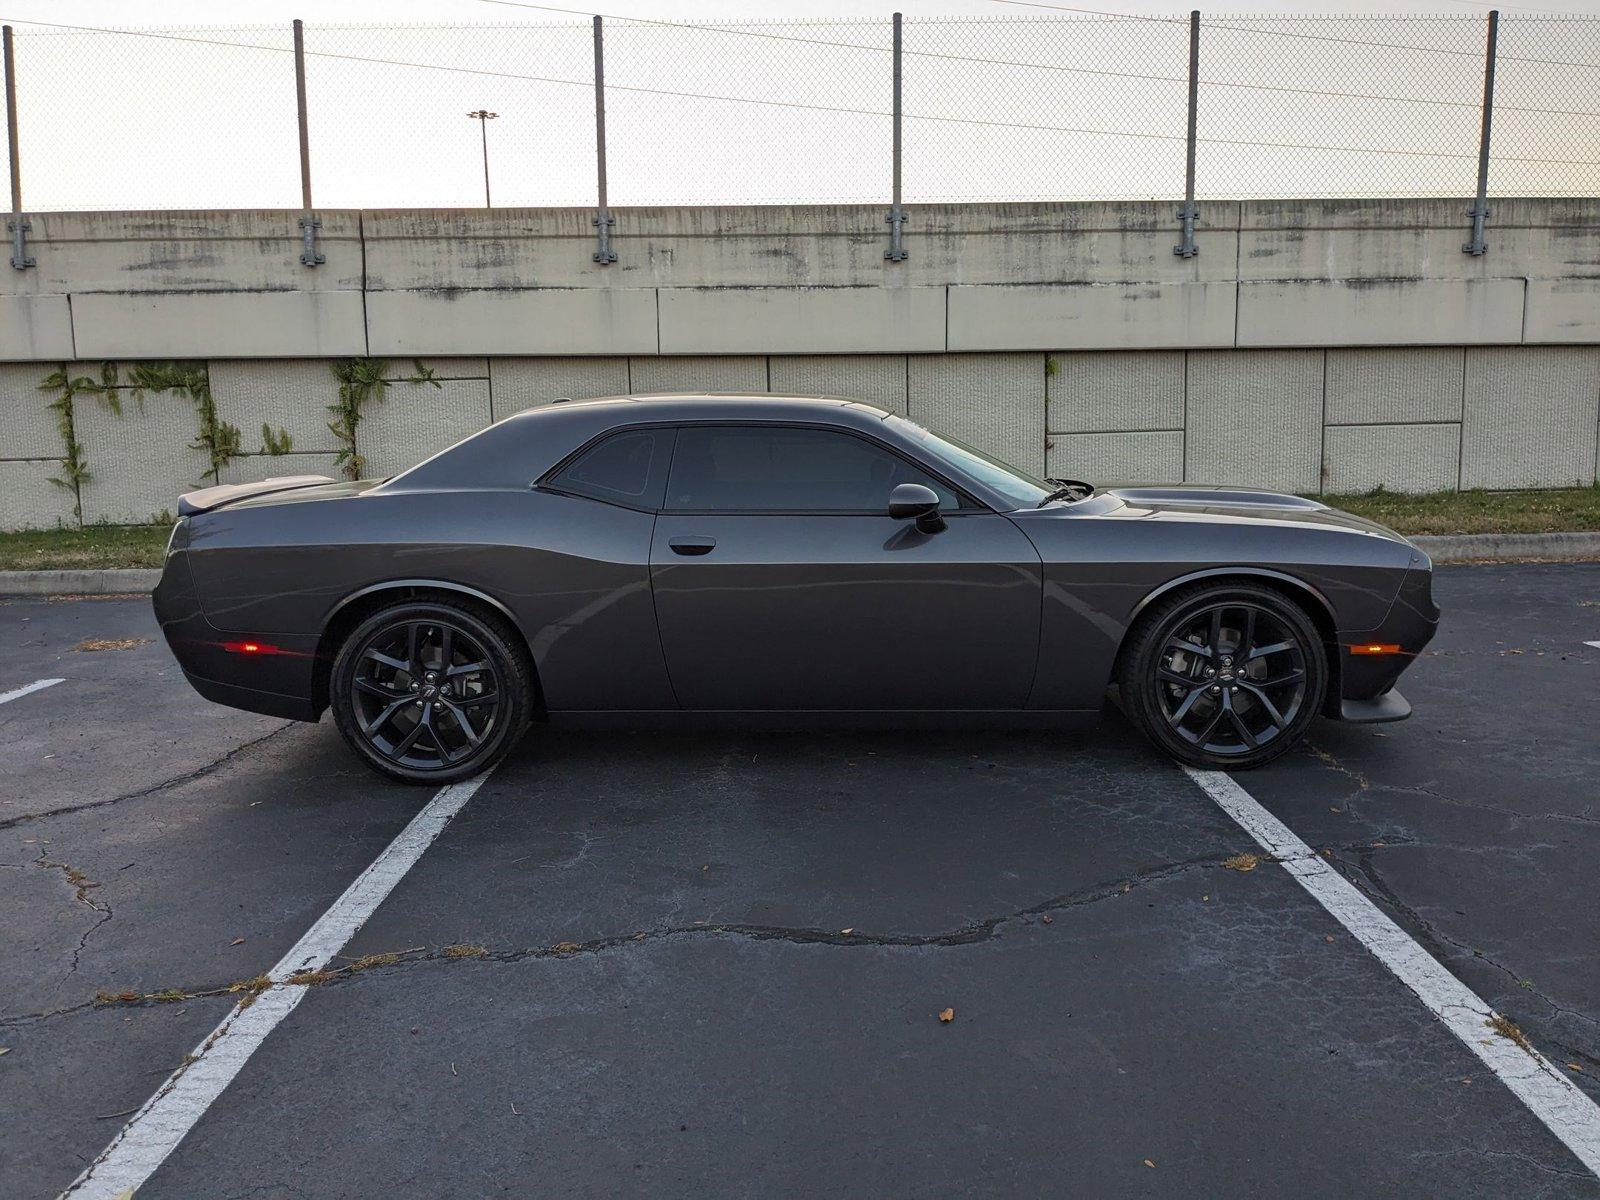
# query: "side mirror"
[[915, 501]]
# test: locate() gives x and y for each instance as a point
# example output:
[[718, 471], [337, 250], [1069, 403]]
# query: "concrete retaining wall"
[[1339, 345], [1301, 420]]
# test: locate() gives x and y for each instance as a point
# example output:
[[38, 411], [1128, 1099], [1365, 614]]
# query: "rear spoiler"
[[209, 498]]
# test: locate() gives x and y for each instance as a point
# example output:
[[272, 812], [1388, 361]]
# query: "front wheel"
[[1224, 676], [431, 692]]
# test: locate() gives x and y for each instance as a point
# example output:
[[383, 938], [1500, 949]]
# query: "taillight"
[[250, 648]]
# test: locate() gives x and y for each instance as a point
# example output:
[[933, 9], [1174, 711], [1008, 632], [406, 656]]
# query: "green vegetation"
[[93, 546], [361, 380], [1553, 510]]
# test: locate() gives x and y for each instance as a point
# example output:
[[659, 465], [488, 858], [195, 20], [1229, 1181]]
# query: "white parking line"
[[1596, 645], [1552, 1097], [37, 685], [157, 1128]]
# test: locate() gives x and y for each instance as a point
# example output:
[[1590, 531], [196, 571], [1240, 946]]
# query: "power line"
[[1313, 37], [1037, 66], [789, 104]]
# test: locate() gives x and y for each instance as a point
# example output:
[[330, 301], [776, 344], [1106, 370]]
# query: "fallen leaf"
[[1206, 897], [1332, 808], [1570, 1066], [237, 942], [1242, 862], [1149, 1164], [7, 1050], [566, 947], [1047, 918], [852, 929], [947, 1015], [111, 643], [1327, 937]]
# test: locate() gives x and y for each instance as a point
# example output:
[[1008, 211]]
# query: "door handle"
[[693, 545]]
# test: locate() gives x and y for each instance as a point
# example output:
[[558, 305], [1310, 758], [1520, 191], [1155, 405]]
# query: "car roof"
[[676, 406]]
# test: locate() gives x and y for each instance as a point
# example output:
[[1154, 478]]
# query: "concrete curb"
[[118, 581], [1455, 548], [1512, 547]]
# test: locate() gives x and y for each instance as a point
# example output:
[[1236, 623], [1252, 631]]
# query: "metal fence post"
[[16, 226], [1187, 214], [1480, 211], [897, 215], [603, 253], [309, 224]]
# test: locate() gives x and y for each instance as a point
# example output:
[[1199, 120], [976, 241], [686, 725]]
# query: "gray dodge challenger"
[[783, 561]]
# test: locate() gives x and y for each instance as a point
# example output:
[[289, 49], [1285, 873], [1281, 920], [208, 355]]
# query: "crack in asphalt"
[[176, 781], [1364, 875], [965, 935], [83, 885]]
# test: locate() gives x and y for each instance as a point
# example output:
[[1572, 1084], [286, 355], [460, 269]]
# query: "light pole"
[[483, 116]]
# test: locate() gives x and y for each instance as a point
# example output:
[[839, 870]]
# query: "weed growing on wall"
[[219, 439], [74, 466], [362, 380], [275, 442]]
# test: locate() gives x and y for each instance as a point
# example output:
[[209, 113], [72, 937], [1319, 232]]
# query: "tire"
[[408, 717], [1181, 684]]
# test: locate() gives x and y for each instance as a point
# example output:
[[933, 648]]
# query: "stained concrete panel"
[[1103, 458], [219, 324], [1107, 316], [994, 401], [1255, 418], [802, 320], [1563, 310], [1117, 391], [1530, 418], [1375, 386], [734, 374], [597, 320], [415, 420], [521, 383], [34, 327], [28, 500], [875, 378], [28, 429], [142, 461], [253, 468], [1379, 312], [1397, 458], [291, 394]]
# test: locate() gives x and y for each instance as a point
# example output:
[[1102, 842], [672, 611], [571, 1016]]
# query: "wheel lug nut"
[[1215, 690]]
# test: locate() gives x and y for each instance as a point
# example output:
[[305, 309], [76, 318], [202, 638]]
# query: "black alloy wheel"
[[1226, 677], [430, 693]]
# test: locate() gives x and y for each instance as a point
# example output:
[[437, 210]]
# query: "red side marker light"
[[1375, 648], [250, 648]]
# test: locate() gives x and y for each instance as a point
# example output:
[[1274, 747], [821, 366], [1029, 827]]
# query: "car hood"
[[1188, 501]]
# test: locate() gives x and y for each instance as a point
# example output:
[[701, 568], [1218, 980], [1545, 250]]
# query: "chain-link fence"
[[1058, 108]]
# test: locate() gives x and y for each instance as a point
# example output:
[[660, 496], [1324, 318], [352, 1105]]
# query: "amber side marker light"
[[250, 648], [1375, 648]]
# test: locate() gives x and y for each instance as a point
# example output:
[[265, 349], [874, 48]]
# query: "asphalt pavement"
[[715, 963]]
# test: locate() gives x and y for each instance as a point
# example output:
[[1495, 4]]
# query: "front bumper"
[[1366, 680]]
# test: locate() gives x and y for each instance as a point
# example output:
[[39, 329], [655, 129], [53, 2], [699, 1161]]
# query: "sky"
[[1002, 101]]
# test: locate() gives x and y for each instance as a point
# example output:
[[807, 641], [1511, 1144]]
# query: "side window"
[[756, 468], [627, 468]]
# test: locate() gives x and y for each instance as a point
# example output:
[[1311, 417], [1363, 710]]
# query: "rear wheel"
[[1227, 676], [431, 692]]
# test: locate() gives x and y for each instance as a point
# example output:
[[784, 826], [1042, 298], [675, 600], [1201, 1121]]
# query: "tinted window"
[[773, 469], [626, 468], [1011, 482]]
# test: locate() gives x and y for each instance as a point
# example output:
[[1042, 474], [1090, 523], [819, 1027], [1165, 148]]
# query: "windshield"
[[1022, 489]]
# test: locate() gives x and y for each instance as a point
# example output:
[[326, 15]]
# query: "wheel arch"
[[1310, 598], [360, 604]]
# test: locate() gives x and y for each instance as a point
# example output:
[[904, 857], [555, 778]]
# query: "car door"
[[781, 582]]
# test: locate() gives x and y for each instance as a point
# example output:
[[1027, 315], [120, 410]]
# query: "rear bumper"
[[279, 683], [273, 704]]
